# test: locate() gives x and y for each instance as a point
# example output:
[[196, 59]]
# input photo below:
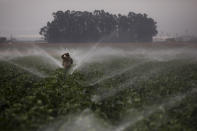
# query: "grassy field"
[[114, 87]]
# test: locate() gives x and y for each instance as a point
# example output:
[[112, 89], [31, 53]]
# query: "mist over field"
[[117, 87]]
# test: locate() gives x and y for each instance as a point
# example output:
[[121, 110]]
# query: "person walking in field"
[[67, 60]]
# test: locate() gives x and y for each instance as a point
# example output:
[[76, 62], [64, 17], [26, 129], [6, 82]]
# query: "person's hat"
[[67, 54]]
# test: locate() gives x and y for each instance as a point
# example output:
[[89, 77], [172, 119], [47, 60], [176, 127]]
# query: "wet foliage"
[[149, 96]]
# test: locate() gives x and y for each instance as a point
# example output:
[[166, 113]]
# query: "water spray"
[[32, 71]]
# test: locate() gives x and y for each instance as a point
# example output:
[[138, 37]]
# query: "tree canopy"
[[83, 26]]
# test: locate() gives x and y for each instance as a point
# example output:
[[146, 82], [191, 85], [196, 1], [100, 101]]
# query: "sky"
[[24, 18]]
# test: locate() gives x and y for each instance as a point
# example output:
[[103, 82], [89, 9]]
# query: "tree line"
[[84, 26]]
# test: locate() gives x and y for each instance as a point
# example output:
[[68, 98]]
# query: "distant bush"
[[3, 39], [78, 26]]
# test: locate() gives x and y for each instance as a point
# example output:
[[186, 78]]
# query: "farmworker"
[[67, 60]]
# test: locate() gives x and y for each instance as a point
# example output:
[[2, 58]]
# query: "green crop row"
[[160, 95]]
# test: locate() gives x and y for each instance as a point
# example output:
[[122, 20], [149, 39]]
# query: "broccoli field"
[[120, 87]]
